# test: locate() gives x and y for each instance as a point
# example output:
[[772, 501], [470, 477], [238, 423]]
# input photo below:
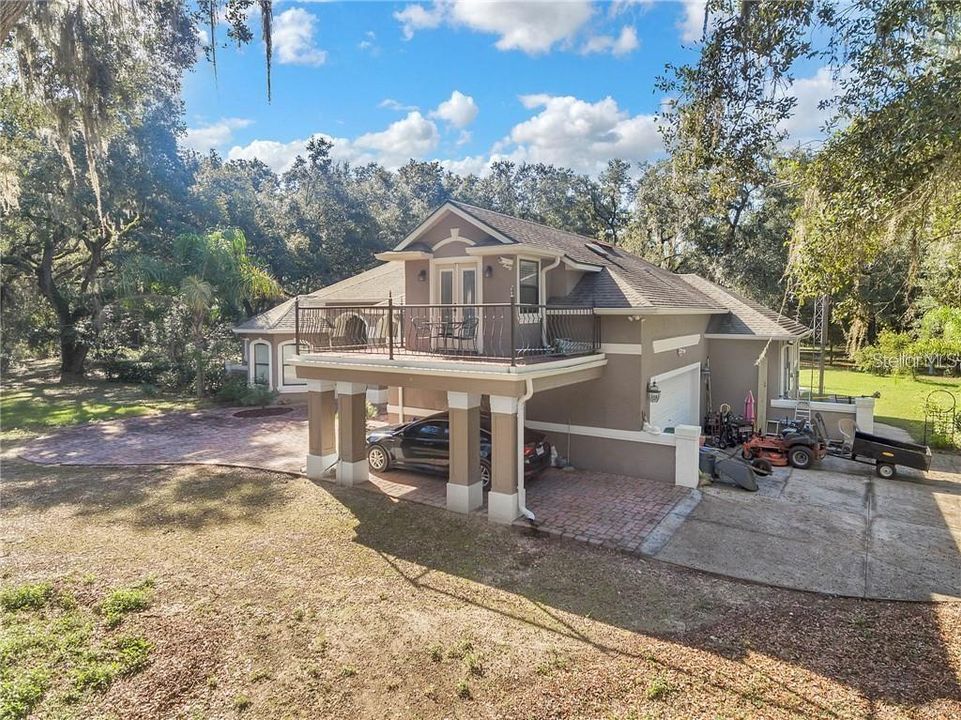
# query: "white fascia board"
[[582, 267], [722, 336], [649, 310], [435, 216], [454, 370]]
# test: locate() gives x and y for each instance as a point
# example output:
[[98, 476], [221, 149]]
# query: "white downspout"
[[557, 261], [521, 490]]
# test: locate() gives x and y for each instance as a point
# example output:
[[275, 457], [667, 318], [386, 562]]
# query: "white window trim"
[[535, 317], [792, 351], [253, 363], [282, 386]]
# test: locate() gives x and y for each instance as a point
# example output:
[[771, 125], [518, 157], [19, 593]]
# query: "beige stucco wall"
[[621, 457], [733, 372]]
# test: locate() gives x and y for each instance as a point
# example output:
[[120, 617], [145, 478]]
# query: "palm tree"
[[217, 280]]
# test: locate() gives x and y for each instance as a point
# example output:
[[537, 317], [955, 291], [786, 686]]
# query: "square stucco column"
[[502, 500], [864, 414], [687, 439], [465, 492], [352, 433], [377, 394], [321, 428]]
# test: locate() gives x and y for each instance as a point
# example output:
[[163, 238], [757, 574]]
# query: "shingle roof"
[[372, 285], [625, 280], [746, 317]]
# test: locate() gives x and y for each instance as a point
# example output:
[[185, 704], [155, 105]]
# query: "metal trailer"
[[885, 454]]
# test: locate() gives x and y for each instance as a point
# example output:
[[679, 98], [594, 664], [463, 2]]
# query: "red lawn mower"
[[797, 445]]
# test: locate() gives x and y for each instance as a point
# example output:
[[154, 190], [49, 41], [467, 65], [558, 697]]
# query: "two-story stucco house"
[[615, 359]]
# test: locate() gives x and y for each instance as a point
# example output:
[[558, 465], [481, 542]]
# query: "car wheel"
[[885, 470], [485, 474], [378, 458], [800, 457]]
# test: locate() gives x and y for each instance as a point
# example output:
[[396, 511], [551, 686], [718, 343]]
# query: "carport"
[[337, 385]]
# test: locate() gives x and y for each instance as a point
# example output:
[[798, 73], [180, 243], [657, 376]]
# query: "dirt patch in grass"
[[276, 597]]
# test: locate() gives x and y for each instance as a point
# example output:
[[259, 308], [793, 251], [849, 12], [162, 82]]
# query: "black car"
[[424, 445]]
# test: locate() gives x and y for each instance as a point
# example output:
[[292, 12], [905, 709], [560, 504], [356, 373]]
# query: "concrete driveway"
[[837, 529]]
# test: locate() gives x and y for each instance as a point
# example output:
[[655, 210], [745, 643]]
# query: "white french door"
[[458, 327]]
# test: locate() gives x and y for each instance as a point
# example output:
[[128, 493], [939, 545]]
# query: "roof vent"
[[599, 248]]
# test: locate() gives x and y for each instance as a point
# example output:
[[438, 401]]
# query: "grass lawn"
[[34, 401], [247, 594], [902, 397]]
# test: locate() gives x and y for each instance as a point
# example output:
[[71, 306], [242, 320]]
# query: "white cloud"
[[293, 38], [459, 110], [417, 17], [369, 43], [532, 26], [691, 24], [214, 135], [412, 137], [392, 104], [805, 124], [581, 135], [626, 42], [619, 6]]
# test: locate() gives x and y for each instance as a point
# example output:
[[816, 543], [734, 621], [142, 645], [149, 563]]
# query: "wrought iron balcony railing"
[[499, 332]]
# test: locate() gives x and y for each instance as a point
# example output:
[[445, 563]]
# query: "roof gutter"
[[651, 310]]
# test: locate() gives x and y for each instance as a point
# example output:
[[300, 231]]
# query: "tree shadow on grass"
[[150, 496], [887, 652]]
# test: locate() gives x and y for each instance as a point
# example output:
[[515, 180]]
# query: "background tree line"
[[119, 245]]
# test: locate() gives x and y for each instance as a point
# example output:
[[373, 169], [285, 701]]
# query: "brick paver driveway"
[[610, 510], [210, 437], [602, 509]]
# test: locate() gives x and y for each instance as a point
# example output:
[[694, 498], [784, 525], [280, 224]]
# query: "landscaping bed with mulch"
[[263, 412]]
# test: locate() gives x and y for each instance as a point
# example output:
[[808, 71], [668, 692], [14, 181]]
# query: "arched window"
[[288, 374], [260, 363]]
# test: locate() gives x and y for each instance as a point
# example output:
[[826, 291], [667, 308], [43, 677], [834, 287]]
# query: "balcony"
[[494, 333]]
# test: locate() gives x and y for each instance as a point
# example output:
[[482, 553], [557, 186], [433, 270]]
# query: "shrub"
[[26, 597], [258, 395], [233, 390], [124, 601]]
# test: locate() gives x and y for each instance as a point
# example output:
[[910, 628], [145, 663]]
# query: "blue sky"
[[460, 81]]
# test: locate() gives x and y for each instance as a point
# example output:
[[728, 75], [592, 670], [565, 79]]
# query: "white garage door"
[[679, 403]]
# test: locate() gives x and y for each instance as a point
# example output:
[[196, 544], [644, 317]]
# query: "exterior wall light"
[[653, 391], [488, 271], [422, 276]]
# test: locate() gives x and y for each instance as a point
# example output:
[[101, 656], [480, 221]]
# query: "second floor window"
[[529, 285]]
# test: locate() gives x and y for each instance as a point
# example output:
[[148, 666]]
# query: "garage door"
[[679, 403]]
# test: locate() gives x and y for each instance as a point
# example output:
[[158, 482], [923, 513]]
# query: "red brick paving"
[[597, 508], [601, 509]]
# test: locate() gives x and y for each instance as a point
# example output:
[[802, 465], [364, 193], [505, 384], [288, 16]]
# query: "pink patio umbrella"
[[749, 407]]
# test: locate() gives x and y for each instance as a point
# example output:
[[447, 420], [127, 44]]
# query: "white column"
[[864, 414], [686, 455]]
